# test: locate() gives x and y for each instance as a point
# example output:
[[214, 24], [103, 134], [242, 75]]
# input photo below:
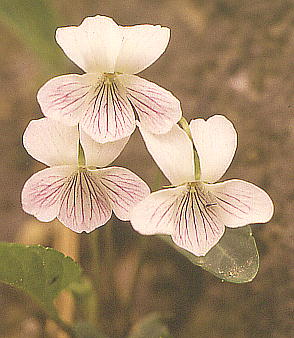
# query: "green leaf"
[[151, 326], [35, 22], [39, 271], [234, 259]]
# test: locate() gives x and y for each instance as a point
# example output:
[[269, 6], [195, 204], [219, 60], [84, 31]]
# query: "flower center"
[[196, 185], [202, 193], [82, 169], [85, 169], [109, 78], [105, 87]]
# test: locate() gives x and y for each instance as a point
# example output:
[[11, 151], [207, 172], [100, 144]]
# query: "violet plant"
[[88, 121]]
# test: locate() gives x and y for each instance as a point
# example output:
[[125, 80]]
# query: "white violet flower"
[[81, 196], [196, 211], [105, 99]]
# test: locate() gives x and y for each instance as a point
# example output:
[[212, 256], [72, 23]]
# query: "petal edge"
[[242, 203], [88, 45], [124, 190], [173, 153], [158, 109], [64, 98], [215, 141], [142, 45], [51, 142]]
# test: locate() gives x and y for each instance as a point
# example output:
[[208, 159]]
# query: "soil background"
[[230, 57]]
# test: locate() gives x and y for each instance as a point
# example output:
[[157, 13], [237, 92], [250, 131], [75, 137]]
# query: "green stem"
[[81, 156], [96, 271], [185, 126], [112, 299], [109, 246], [137, 275], [81, 153]]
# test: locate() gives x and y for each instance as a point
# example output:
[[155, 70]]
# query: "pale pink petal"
[[215, 141], [109, 115], [242, 203], [123, 188], [141, 46], [51, 142], [198, 225], [65, 98], [94, 45], [157, 108], [83, 204], [101, 154], [41, 193], [190, 216], [173, 153], [156, 214]]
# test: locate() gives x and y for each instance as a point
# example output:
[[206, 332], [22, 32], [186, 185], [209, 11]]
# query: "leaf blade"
[[234, 259], [41, 272]]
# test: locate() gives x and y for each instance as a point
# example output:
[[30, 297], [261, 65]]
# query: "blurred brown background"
[[230, 57]]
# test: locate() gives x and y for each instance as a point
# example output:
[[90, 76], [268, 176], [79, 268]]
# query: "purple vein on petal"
[[83, 201], [47, 193], [65, 99], [109, 113]]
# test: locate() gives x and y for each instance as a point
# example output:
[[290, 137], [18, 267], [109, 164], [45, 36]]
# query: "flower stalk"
[[81, 156], [110, 257], [185, 126], [95, 311]]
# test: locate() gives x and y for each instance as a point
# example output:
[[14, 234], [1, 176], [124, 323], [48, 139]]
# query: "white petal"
[[94, 45], [198, 226], [101, 154], [65, 98], [173, 153], [215, 141], [156, 213], [242, 203], [156, 107], [41, 193], [141, 46], [124, 190], [83, 206], [50, 142], [109, 115]]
